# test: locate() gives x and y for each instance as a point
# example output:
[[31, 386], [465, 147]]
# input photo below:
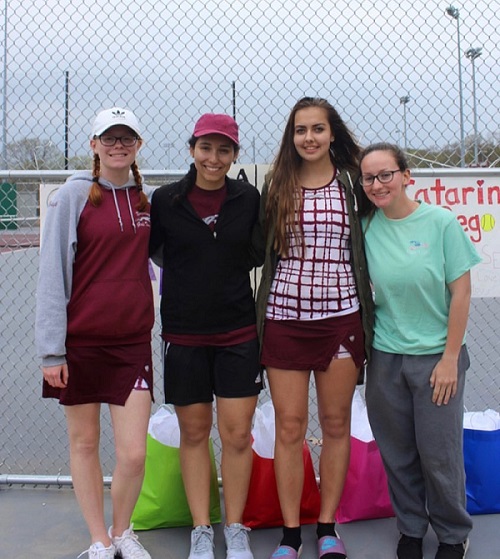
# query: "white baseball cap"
[[115, 117]]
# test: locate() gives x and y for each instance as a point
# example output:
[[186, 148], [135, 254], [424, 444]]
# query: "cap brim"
[[100, 131], [218, 132]]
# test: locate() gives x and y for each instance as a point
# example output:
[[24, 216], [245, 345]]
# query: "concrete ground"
[[45, 523]]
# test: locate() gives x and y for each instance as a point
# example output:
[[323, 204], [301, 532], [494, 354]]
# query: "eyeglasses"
[[383, 178], [126, 141]]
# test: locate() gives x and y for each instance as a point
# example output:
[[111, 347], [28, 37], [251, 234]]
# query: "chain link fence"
[[396, 71]]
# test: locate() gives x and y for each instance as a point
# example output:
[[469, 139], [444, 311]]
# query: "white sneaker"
[[202, 543], [128, 546], [98, 551], [237, 542]]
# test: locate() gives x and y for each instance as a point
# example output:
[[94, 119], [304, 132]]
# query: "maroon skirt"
[[302, 345], [104, 374]]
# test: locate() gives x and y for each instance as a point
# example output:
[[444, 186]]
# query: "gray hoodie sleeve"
[[148, 190], [57, 254]]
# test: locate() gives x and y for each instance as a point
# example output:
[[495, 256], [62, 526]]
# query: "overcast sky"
[[171, 61]]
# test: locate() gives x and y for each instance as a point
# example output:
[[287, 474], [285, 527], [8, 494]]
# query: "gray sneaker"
[[202, 543], [99, 551], [237, 542], [128, 546]]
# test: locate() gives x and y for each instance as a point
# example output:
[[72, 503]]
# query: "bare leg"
[[335, 388], [289, 392], [195, 423], [234, 419], [84, 432], [130, 425]]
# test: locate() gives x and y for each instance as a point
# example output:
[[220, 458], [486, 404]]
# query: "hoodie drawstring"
[[130, 211], [117, 210], [118, 213]]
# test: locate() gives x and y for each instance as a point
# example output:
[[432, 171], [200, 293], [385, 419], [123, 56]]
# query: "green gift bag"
[[162, 502]]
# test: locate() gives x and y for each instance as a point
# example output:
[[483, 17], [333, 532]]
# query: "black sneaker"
[[410, 548], [452, 551]]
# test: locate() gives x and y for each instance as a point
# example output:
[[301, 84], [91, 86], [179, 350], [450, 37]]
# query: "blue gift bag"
[[482, 470]]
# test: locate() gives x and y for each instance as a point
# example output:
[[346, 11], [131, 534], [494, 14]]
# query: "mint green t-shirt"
[[410, 263]]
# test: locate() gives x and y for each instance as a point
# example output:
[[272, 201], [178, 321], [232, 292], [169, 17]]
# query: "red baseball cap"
[[217, 124]]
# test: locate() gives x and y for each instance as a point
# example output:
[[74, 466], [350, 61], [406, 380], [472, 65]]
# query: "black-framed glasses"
[[384, 177], [126, 141]]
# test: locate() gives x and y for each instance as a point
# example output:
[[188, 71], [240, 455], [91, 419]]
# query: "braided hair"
[[95, 194], [143, 199]]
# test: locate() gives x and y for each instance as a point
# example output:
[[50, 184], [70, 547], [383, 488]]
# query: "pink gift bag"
[[365, 494]]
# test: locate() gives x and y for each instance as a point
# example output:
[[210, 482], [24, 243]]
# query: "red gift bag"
[[262, 509], [365, 494]]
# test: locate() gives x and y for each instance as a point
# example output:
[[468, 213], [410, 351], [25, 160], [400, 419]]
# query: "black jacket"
[[206, 282]]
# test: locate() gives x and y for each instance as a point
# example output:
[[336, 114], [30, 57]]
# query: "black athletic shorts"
[[193, 374]]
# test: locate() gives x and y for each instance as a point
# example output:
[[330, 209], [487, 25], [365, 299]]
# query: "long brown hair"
[[95, 194], [283, 201]]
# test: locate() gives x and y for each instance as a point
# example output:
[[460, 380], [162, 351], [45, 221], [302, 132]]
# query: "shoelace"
[[100, 552], [203, 541], [238, 539], [131, 545]]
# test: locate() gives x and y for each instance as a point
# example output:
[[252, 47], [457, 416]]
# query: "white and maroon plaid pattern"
[[319, 283]]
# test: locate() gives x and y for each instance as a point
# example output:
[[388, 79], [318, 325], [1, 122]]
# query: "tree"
[[34, 153], [79, 162], [37, 154], [449, 155]]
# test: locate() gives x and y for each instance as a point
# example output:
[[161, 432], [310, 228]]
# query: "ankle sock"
[[291, 537], [325, 529]]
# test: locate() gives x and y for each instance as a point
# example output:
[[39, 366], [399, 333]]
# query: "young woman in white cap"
[[93, 324], [201, 233]]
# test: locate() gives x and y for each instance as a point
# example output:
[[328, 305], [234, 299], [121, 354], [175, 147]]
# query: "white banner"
[[474, 197]]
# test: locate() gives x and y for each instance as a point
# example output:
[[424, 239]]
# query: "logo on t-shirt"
[[417, 245]]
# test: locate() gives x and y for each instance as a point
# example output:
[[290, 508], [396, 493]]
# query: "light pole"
[[404, 101], [233, 88], [455, 14], [4, 96], [472, 54], [168, 145], [66, 120]]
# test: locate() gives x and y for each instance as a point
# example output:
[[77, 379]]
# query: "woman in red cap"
[[201, 234]]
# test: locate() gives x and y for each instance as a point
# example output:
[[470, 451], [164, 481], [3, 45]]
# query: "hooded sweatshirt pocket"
[[112, 309]]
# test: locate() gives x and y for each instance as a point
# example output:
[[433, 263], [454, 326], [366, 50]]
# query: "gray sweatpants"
[[421, 444]]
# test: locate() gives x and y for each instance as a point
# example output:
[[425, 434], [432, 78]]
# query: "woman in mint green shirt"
[[419, 261]]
